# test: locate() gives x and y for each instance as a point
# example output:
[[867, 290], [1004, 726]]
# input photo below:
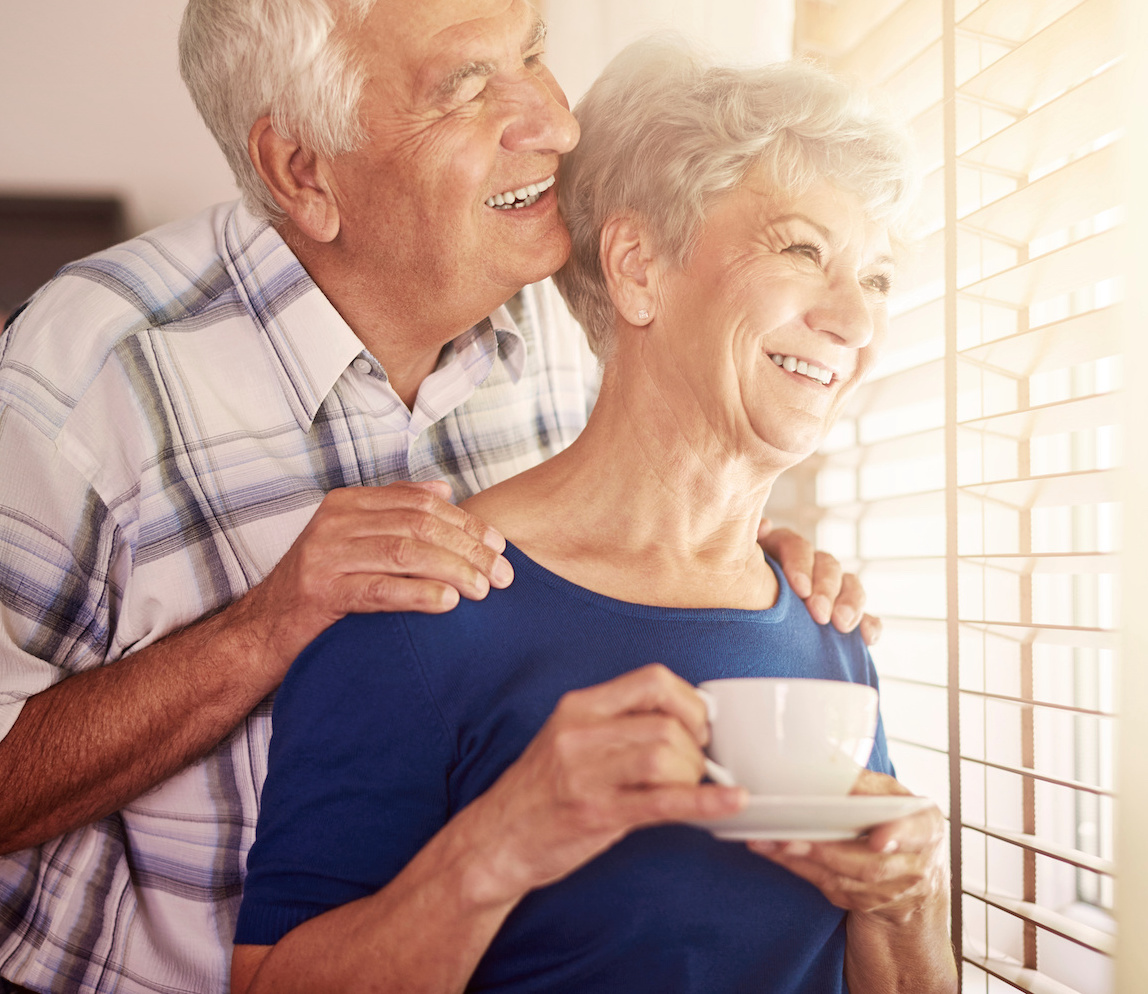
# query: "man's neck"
[[405, 330]]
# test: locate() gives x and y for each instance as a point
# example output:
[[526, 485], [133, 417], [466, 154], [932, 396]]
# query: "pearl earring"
[[643, 315]]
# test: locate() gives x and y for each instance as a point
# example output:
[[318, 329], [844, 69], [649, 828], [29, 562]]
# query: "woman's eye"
[[882, 283], [811, 252]]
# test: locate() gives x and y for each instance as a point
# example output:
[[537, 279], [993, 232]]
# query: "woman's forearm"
[[423, 932], [911, 956]]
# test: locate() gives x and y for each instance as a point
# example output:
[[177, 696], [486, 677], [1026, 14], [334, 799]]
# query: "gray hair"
[[664, 134], [242, 59]]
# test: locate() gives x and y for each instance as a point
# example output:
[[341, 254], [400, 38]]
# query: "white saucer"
[[815, 819]]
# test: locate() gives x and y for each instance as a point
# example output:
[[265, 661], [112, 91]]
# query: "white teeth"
[[522, 197], [804, 367]]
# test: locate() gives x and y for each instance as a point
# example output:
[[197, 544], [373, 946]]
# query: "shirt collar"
[[310, 342]]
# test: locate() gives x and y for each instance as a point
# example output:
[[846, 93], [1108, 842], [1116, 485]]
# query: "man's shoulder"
[[63, 337]]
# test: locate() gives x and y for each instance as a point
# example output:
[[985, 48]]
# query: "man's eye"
[[811, 252], [469, 89]]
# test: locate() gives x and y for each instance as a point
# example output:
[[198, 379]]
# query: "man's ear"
[[631, 269], [297, 179]]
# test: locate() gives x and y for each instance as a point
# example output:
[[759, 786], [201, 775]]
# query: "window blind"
[[971, 484]]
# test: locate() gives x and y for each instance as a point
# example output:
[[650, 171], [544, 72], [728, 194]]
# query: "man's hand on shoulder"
[[402, 547], [829, 593]]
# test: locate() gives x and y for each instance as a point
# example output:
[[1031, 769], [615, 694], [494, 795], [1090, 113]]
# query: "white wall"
[[91, 101], [586, 34]]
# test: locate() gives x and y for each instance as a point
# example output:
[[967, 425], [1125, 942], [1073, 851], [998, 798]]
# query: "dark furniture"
[[38, 234]]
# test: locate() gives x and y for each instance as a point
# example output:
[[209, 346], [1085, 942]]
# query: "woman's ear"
[[297, 179], [631, 269]]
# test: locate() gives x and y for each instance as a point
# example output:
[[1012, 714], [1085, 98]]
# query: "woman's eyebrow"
[[819, 228]]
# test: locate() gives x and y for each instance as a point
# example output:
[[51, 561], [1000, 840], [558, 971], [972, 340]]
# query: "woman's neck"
[[644, 506]]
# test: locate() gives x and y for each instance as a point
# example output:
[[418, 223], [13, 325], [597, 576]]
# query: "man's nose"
[[543, 122]]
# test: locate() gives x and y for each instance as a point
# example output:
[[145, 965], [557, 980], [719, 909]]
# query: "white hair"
[[664, 134], [290, 59]]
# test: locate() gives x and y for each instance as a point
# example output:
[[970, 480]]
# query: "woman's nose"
[[543, 122], [845, 312]]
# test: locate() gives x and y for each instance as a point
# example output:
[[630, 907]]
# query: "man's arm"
[[830, 594], [96, 740]]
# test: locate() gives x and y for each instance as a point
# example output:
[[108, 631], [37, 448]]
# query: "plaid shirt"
[[172, 411]]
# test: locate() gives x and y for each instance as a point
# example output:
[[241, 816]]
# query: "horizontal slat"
[[1053, 419], [986, 695], [837, 25], [1050, 563], [1061, 56], [910, 386], [893, 43], [1048, 919], [1080, 264], [1037, 775], [1074, 636], [924, 502], [918, 84], [1045, 847], [918, 324], [1020, 977], [1076, 192], [1060, 127], [926, 265], [1013, 22], [928, 129], [1097, 486], [1074, 340], [919, 445]]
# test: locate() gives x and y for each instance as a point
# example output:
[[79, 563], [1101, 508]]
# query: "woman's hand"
[[894, 883], [830, 594], [894, 871], [611, 758]]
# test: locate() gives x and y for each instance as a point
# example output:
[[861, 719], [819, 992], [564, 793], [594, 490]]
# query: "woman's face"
[[801, 281]]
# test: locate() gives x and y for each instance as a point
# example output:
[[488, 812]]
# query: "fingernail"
[[891, 846], [820, 608], [844, 619], [503, 572], [493, 540], [798, 848]]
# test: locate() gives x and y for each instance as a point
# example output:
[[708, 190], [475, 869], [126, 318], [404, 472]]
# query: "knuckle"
[[400, 550]]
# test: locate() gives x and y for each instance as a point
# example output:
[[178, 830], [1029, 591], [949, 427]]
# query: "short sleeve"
[[358, 777], [58, 550]]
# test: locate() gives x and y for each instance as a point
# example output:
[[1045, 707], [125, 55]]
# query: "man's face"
[[461, 113]]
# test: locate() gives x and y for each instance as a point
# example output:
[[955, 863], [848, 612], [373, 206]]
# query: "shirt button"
[[362, 365]]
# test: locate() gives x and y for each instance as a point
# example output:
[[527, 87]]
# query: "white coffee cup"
[[781, 736]]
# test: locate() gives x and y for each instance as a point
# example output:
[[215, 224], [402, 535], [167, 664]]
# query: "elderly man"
[[222, 436]]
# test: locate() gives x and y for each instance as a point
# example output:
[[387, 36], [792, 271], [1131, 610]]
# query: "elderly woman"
[[445, 809]]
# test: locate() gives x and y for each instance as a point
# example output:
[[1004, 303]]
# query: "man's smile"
[[524, 196]]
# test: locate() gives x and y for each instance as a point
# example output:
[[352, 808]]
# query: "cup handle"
[[715, 771], [719, 774]]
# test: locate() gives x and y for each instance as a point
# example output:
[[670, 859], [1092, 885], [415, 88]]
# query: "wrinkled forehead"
[[422, 42]]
